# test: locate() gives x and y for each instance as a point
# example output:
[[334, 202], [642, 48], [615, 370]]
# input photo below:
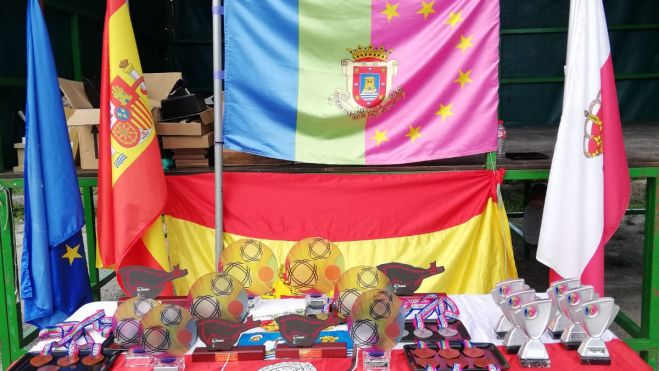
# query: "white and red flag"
[[589, 183]]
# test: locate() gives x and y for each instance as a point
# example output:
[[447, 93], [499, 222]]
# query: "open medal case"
[[491, 355]]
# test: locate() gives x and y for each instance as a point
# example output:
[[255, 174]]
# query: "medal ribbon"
[[421, 345], [78, 330], [446, 309], [456, 367], [467, 344], [493, 367], [47, 349], [444, 344], [72, 350], [96, 349], [430, 368], [430, 303]]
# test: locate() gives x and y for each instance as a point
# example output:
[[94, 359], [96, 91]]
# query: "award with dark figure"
[[147, 282], [301, 332], [406, 278], [219, 303]]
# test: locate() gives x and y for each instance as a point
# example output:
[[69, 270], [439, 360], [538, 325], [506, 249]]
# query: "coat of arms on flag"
[[369, 79]]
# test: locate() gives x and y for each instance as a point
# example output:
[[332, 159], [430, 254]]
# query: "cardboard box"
[[82, 116], [182, 128], [192, 163], [190, 154], [176, 142], [20, 153]]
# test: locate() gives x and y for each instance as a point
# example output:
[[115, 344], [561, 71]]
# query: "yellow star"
[[72, 254], [414, 133], [465, 42], [391, 11], [463, 78], [426, 9], [454, 19], [444, 111], [379, 137]]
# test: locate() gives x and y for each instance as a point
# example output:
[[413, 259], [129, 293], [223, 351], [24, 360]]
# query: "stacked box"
[[190, 140]]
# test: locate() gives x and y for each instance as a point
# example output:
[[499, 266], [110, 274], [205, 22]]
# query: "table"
[[478, 313]]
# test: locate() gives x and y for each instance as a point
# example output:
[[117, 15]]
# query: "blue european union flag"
[[54, 278]]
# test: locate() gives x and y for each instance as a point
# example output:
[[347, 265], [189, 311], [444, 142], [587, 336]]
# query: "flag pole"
[[218, 101]]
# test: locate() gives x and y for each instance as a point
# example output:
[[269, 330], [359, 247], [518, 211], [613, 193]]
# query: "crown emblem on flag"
[[361, 53]]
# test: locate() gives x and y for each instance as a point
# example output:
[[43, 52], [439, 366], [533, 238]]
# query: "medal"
[[40, 360], [422, 333], [44, 357], [94, 357], [422, 350], [71, 357], [471, 351], [446, 351]]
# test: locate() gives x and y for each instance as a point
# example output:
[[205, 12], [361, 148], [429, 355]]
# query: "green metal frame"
[[12, 337], [645, 336]]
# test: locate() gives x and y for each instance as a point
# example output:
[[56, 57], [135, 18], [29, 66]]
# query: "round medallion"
[[423, 352], [473, 352], [92, 360], [40, 360], [422, 333], [67, 361], [449, 353]]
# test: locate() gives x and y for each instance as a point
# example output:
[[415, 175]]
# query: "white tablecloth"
[[478, 313]]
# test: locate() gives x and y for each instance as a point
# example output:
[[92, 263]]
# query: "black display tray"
[[456, 324], [491, 352], [23, 363]]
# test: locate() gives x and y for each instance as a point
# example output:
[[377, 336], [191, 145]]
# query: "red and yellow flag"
[[452, 219], [132, 189]]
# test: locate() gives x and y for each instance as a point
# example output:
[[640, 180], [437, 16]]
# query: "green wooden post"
[[650, 304], [90, 231], [5, 337]]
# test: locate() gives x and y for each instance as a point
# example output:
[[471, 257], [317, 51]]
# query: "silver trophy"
[[595, 316], [516, 336], [499, 295], [574, 334], [558, 323], [533, 318]]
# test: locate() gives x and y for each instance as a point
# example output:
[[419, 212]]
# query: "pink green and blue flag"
[[361, 81]]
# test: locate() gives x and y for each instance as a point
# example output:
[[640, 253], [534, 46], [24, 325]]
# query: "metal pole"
[[219, 108]]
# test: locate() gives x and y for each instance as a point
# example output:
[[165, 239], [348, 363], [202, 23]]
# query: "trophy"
[[516, 337], [533, 318], [499, 295], [167, 332], [558, 323], [595, 317], [312, 267], [254, 265], [376, 325], [574, 334], [301, 332]]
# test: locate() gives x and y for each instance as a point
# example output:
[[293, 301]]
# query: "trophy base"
[[377, 361], [502, 327], [169, 364], [514, 339], [557, 325], [535, 363], [533, 354], [241, 353], [593, 351], [137, 358], [555, 334], [318, 350], [573, 336], [316, 304]]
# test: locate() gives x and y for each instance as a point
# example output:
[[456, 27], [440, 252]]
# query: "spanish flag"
[[132, 189], [451, 219]]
